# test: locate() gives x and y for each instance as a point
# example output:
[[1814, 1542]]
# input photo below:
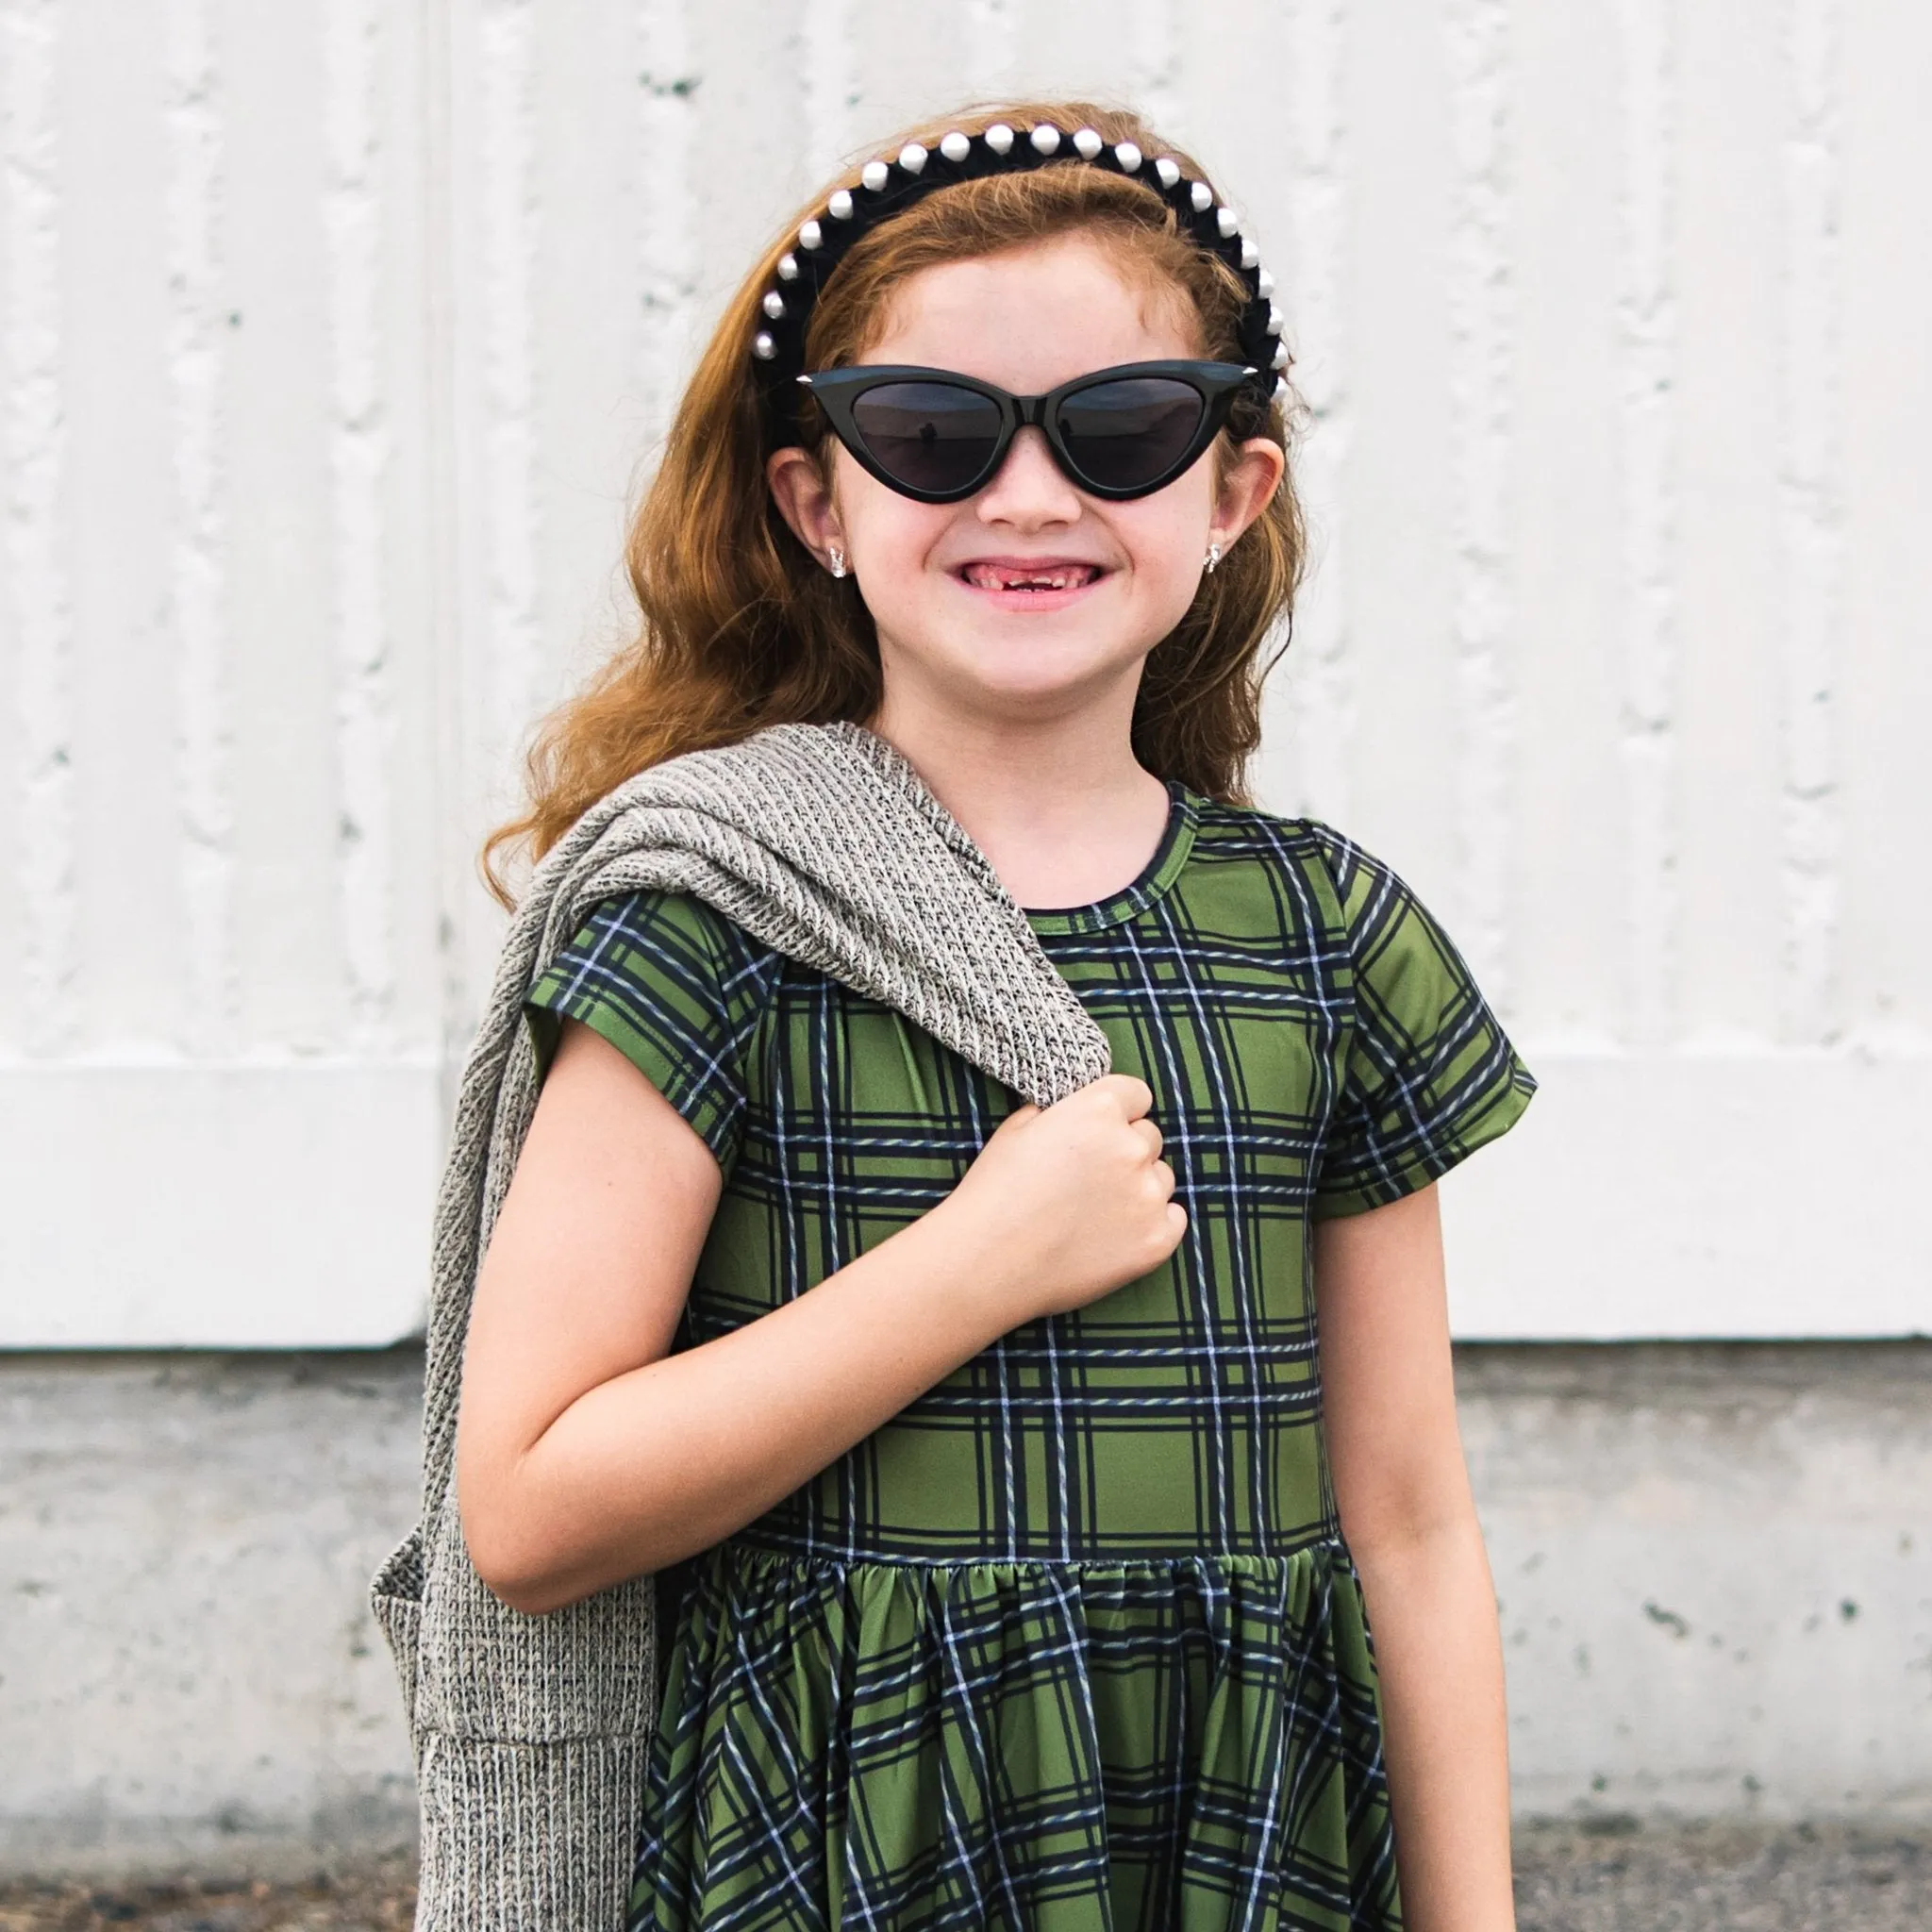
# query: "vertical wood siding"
[[336, 337]]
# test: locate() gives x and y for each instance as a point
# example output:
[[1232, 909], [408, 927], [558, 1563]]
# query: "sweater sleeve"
[[1430, 1076], [676, 986]]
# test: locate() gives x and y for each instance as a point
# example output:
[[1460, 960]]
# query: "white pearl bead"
[[912, 157], [875, 174], [1046, 138], [839, 204], [1169, 170], [788, 268], [1273, 319], [1264, 285], [1088, 144], [810, 235], [999, 136], [1250, 253], [764, 347], [1282, 390], [775, 305], [1129, 156], [1201, 195], [1227, 221], [955, 147], [1281, 357]]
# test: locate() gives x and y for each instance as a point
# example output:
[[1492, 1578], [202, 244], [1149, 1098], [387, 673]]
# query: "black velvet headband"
[[887, 187]]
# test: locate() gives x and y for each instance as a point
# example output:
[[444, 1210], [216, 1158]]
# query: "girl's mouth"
[[1022, 584]]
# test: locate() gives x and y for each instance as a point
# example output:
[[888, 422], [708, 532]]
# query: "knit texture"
[[531, 1734]]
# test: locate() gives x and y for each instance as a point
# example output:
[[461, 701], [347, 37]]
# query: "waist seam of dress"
[[1330, 1546]]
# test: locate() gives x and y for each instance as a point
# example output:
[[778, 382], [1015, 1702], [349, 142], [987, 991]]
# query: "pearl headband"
[[887, 187]]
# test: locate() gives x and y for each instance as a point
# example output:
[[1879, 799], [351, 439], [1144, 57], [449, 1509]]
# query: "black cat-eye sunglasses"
[[938, 436]]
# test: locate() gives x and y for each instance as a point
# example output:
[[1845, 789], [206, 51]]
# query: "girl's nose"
[[1028, 490]]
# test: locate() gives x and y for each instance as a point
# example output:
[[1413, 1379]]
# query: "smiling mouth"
[[1060, 577]]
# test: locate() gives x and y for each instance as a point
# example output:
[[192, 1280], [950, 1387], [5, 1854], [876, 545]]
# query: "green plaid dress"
[[1073, 1644]]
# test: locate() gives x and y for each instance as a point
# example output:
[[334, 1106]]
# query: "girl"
[[1021, 1482]]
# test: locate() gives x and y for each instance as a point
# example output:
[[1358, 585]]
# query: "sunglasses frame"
[[836, 390]]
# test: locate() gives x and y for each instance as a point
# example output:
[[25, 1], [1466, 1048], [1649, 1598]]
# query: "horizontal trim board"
[[1666, 1197], [1679, 1198], [227, 1207]]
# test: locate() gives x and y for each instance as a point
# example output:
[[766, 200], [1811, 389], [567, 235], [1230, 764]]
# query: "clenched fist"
[[1070, 1201]]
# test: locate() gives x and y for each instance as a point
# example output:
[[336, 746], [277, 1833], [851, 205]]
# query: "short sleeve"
[[676, 988], [1429, 1074]]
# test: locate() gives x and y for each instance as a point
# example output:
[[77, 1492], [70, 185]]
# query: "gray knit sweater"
[[531, 1734]]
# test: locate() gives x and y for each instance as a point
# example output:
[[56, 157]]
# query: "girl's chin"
[[1030, 679]]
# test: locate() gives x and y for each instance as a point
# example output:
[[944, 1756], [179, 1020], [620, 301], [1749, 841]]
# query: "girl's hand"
[[1072, 1200]]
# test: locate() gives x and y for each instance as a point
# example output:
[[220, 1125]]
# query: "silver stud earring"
[[837, 561], [1213, 558]]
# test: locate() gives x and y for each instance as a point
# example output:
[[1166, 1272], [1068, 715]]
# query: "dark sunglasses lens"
[[1121, 435], [928, 435]]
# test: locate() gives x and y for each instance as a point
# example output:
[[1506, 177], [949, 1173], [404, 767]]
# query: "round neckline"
[[1155, 877]]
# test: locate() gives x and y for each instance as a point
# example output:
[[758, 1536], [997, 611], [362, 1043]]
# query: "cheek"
[[891, 531], [1167, 535]]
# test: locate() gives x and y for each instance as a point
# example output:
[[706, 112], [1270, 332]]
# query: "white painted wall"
[[334, 336]]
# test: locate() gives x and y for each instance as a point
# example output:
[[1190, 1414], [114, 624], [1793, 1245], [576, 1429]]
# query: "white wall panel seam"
[[831, 89], [511, 243], [1318, 705], [33, 437], [360, 438], [199, 550], [1647, 341], [450, 691], [991, 41], [1154, 59], [668, 269], [1480, 364], [1811, 501]]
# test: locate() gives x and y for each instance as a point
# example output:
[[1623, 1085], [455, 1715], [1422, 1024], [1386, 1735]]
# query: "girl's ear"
[[1247, 486], [798, 488]]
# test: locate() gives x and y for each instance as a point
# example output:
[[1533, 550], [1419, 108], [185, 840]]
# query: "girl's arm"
[[1410, 1518], [586, 1453]]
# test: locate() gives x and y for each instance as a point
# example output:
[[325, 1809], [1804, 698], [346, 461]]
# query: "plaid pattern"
[[1072, 1642]]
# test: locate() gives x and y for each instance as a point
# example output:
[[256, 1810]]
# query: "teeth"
[[995, 579]]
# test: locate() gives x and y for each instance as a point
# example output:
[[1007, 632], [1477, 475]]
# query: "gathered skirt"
[[1167, 1745]]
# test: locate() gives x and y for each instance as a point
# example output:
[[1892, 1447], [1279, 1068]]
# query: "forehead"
[[1029, 318]]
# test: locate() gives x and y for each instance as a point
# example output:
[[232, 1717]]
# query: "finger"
[[1135, 1093], [1149, 1133]]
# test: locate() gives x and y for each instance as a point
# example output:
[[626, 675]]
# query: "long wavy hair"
[[739, 627]]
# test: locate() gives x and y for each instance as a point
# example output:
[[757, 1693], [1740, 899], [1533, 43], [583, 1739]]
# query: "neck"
[[1055, 800]]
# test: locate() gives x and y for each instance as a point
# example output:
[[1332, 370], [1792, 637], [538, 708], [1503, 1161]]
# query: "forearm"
[[1432, 1608], [672, 1457]]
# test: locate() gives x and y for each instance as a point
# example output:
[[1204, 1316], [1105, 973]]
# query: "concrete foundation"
[[192, 1681], [1714, 1563]]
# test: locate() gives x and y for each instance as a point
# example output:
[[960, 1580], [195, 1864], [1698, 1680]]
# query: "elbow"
[[530, 1593], [518, 1568], [511, 1574], [1412, 1530], [526, 1565]]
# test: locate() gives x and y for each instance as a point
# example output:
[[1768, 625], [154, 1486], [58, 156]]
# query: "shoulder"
[[1350, 884], [664, 937]]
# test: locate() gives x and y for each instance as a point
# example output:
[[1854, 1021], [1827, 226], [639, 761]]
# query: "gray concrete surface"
[[189, 1679], [1712, 1564], [1723, 1878], [1713, 1879]]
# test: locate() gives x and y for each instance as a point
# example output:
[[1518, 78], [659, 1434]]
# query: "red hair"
[[740, 628]]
